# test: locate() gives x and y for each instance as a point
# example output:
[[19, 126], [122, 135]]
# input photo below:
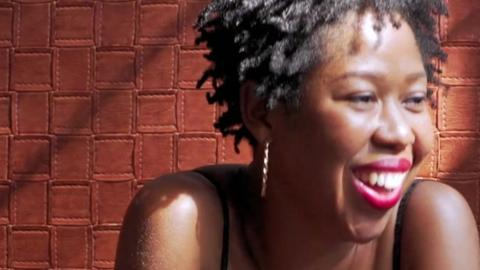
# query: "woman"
[[333, 97]]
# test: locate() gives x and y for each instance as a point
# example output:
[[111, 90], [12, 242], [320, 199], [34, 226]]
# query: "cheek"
[[424, 139], [323, 134], [347, 133]]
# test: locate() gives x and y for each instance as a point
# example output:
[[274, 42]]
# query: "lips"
[[380, 183], [386, 165]]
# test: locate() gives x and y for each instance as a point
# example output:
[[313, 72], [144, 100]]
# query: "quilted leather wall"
[[97, 97]]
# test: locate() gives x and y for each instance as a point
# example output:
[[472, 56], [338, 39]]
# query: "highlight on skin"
[[272, 43]]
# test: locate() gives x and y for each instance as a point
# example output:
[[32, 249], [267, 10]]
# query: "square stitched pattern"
[[98, 98]]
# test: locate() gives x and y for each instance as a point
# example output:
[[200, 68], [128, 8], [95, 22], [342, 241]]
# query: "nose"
[[394, 132]]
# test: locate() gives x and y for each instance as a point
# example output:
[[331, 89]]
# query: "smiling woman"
[[333, 97]]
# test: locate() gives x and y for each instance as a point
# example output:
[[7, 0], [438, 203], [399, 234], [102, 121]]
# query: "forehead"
[[357, 42]]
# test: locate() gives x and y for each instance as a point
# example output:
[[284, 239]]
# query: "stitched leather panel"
[[97, 98]]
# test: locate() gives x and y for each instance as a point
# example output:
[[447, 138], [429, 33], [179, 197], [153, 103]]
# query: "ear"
[[254, 113]]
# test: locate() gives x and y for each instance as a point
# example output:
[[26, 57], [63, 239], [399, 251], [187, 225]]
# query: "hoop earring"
[[265, 170]]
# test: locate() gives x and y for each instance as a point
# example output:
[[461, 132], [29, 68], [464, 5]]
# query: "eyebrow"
[[416, 76], [377, 76]]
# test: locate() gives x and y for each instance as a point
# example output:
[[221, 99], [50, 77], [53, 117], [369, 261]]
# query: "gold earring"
[[265, 169]]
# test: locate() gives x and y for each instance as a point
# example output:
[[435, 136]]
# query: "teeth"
[[372, 179], [397, 180], [400, 178], [381, 180], [388, 181]]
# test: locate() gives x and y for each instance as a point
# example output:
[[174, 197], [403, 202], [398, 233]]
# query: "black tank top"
[[397, 243]]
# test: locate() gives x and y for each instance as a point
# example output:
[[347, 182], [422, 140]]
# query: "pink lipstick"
[[380, 182], [387, 165]]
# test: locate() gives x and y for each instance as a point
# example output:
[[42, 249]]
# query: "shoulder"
[[174, 222], [435, 201], [439, 230], [188, 189], [184, 192]]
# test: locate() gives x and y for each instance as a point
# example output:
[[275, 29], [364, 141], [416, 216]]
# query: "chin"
[[366, 233], [363, 228]]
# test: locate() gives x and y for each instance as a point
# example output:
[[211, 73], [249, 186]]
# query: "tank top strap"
[[226, 221], [397, 242]]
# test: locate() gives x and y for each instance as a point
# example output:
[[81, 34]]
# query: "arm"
[[440, 231], [173, 223]]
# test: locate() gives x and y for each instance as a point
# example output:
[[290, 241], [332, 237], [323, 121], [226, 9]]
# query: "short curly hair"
[[270, 42]]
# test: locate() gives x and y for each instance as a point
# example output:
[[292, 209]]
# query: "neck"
[[280, 236], [304, 243]]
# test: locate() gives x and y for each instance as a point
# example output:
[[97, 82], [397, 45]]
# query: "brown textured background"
[[97, 97]]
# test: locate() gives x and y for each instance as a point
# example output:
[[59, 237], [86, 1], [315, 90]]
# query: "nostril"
[[395, 137]]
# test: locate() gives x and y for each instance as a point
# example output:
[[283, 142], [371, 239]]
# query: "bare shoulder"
[[174, 222], [439, 230], [172, 190]]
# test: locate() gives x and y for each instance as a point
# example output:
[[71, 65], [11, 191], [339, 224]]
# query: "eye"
[[362, 101], [416, 102]]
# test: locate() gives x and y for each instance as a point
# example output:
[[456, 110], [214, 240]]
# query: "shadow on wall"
[[82, 129], [83, 119], [128, 68]]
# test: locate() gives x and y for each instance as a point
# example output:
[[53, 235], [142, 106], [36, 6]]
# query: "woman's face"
[[362, 129]]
